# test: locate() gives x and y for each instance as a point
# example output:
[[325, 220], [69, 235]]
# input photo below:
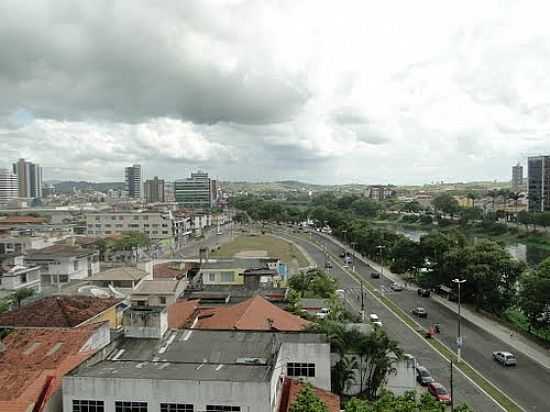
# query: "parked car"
[[423, 376], [420, 312], [323, 313], [396, 287], [439, 392], [505, 358], [375, 275], [425, 293], [375, 320]]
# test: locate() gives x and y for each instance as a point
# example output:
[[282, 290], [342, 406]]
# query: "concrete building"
[[124, 279], [539, 183], [198, 370], [14, 275], [154, 190], [517, 177], [379, 192], [158, 292], [231, 271], [9, 189], [194, 192], [134, 181], [61, 263], [29, 179]]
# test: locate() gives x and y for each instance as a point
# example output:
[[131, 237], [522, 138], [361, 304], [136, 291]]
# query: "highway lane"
[[410, 342], [528, 383]]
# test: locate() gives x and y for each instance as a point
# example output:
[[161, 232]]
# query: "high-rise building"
[[517, 177], [8, 186], [154, 190], [29, 179], [539, 183], [134, 182], [194, 192]]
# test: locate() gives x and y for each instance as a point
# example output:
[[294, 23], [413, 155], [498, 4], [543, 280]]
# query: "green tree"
[[307, 401], [408, 402], [22, 294], [446, 204], [406, 256], [473, 196], [344, 374], [365, 207], [534, 295], [412, 207], [493, 194]]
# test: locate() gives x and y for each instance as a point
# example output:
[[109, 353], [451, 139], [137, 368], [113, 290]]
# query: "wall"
[[111, 315], [13, 282], [145, 323], [317, 353], [238, 279], [250, 396]]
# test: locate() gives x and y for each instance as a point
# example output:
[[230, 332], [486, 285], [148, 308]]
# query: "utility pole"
[[381, 249], [353, 244], [459, 282], [362, 304], [452, 393]]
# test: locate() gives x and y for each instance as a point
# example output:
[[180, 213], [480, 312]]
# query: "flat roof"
[[238, 263]]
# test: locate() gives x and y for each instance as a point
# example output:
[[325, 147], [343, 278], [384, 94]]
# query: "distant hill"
[[286, 186], [67, 187]]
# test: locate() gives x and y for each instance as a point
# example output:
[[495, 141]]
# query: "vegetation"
[[408, 402], [127, 241], [307, 401], [22, 294]]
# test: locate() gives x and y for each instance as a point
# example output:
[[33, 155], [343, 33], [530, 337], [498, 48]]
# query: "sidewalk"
[[511, 337]]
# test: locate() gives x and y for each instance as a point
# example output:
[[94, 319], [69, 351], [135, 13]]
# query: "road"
[[410, 342], [527, 383]]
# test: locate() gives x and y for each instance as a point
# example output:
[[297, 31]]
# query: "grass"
[[515, 318], [285, 251]]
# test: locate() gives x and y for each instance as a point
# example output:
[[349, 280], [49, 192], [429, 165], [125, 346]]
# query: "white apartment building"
[[14, 275], [9, 188]]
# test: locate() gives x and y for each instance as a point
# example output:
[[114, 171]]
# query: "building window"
[[23, 278], [156, 225], [162, 300], [88, 406], [164, 232], [119, 225], [176, 407], [228, 277], [121, 218], [97, 218], [136, 217], [113, 217], [222, 408], [127, 406], [75, 263], [107, 232], [212, 277], [145, 217], [97, 225], [63, 278], [296, 369], [146, 225], [108, 225]]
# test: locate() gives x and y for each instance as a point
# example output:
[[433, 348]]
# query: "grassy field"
[[285, 251]]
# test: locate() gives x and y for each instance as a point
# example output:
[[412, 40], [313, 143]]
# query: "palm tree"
[[472, 196], [515, 196], [344, 374], [22, 294], [493, 194]]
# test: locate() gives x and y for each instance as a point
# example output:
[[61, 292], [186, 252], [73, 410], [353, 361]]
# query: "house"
[[14, 275], [64, 311], [62, 263], [230, 271], [183, 314], [292, 388], [253, 314], [200, 370], [124, 279], [158, 292], [34, 361], [171, 270]]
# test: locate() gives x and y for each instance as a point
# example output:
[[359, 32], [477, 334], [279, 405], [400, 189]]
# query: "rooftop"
[[57, 311], [168, 270], [157, 287], [121, 273], [59, 250], [181, 314], [293, 388], [22, 220], [238, 263]]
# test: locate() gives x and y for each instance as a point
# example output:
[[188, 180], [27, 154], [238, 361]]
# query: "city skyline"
[[457, 93]]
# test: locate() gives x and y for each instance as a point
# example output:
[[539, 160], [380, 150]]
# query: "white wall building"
[[9, 188], [14, 275]]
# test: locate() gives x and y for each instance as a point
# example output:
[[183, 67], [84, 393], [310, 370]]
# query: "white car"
[[323, 313], [375, 320], [504, 358]]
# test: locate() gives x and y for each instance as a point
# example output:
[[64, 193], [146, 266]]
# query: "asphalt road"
[[528, 383], [410, 342]]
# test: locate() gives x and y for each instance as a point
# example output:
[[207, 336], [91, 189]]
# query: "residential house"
[[14, 275], [230, 271], [34, 361], [62, 263], [292, 388], [171, 270], [62, 311], [124, 279], [158, 292]]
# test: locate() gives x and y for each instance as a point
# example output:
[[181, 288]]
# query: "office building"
[[539, 183], [8, 186], [517, 177], [194, 192], [134, 181], [154, 190], [29, 179]]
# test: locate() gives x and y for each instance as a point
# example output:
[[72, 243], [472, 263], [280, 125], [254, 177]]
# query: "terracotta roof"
[[253, 314], [57, 311], [19, 220], [293, 387], [182, 314], [168, 271], [34, 362]]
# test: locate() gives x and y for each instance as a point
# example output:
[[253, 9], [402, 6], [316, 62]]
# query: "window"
[[121, 218], [87, 406], [113, 217], [212, 277], [228, 276], [222, 408], [136, 217], [75, 265], [127, 406], [146, 225], [164, 232], [162, 300], [97, 225], [97, 218], [107, 232], [23, 278], [63, 278], [176, 407], [156, 225], [119, 225], [145, 217], [164, 225], [297, 369], [108, 225]]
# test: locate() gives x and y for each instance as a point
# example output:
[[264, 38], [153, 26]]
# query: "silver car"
[[504, 358]]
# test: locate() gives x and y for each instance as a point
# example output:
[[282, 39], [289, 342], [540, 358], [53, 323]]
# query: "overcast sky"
[[326, 92]]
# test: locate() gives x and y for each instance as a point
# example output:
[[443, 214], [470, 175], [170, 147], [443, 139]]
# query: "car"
[[423, 376], [396, 287], [342, 254], [323, 313], [420, 312], [328, 265], [373, 317], [425, 293], [439, 392], [375, 275], [505, 358]]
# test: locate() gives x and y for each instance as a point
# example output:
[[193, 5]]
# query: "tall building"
[[517, 177], [194, 192], [154, 190], [8, 186], [29, 179], [134, 181], [539, 183]]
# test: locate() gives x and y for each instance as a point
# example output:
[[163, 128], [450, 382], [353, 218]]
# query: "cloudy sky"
[[335, 92]]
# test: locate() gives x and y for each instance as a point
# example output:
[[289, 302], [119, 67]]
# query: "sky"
[[329, 92]]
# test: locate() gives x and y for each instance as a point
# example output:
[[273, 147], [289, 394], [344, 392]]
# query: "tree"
[[493, 194], [344, 374], [446, 204], [412, 207], [365, 207], [307, 401], [406, 256], [473, 196], [515, 196], [534, 295], [408, 402], [22, 294]]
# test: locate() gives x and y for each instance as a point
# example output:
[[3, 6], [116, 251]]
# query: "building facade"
[[134, 181], [9, 188], [539, 183], [194, 192], [29, 179], [14, 275], [154, 190], [517, 177]]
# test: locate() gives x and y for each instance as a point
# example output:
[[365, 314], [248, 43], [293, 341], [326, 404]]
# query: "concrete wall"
[[317, 353], [250, 396], [238, 279], [13, 282], [145, 323], [111, 315]]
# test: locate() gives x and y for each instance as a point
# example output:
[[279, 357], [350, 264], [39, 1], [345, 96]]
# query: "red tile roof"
[[168, 271], [18, 220], [253, 314], [182, 314], [57, 311], [34, 362], [293, 387]]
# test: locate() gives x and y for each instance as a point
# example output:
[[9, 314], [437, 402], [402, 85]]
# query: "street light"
[[459, 282], [353, 244], [381, 249]]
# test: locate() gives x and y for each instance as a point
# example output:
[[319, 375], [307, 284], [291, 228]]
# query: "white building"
[[8, 187], [199, 370], [61, 263], [157, 292], [14, 275]]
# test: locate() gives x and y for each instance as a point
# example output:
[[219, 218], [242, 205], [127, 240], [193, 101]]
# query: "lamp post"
[[459, 282], [381, 249], [353, 244]]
